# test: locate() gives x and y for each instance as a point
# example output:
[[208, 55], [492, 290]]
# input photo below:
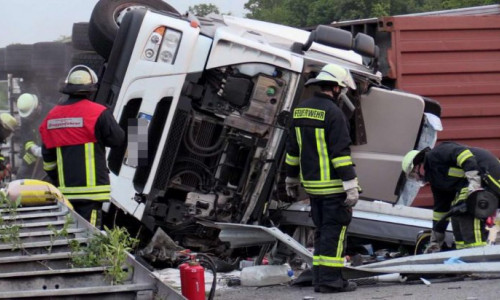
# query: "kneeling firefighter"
[[465, 185]]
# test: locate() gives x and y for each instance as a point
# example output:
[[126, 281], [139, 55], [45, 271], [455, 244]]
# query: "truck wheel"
[[18, 59], [106, 18], [89, 58], [80, 37], [3, 73], [49, 59], [423, 241]]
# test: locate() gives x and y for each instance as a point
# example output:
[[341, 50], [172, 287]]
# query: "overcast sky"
[[31, 21]]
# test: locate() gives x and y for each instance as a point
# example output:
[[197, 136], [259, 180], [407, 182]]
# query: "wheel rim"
[[122, 10]]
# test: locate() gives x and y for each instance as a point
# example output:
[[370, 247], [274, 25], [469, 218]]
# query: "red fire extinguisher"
[[192, 280]]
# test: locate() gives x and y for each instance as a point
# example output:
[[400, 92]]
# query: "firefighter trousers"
[[468, 231], [331, 219]]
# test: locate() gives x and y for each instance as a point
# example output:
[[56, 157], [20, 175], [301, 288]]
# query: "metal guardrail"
[[38, 263]]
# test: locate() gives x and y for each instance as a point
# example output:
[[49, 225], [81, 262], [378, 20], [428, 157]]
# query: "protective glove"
[[351, 189], [437, 240], [36, 151], [474, 181], [292, 186]]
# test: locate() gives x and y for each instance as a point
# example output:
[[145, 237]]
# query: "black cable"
[[191, 139], [211, 265]]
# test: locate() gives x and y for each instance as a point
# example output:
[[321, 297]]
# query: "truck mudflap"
[[35, 262]]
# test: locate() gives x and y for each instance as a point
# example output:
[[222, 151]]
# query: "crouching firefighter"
[[74, 136], [319, 157], [465, 185]]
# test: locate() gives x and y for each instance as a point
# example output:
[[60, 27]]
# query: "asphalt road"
[[479, 287]]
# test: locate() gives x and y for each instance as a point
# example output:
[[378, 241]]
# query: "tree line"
[[302, 13]]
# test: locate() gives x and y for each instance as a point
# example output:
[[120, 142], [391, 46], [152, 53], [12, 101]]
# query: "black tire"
[[90, 59], [18, 59], [105, 17], [80, 37], [49, 59], [2, 59], [3, 72]]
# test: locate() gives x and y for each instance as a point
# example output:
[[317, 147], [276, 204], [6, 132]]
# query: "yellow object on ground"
[[32, 192]]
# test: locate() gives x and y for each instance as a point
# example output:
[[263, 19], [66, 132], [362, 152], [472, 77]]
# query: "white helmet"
[[332, 73], [27, 104], [80, 79]]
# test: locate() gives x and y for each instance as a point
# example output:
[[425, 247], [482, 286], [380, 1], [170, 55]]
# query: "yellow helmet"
[[332, 73], [8, 121], [26, 104], [80, 80], [407, 163]]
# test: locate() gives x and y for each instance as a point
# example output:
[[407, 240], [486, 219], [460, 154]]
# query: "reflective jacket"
[[74, 136], [445, 166], [318, 149]]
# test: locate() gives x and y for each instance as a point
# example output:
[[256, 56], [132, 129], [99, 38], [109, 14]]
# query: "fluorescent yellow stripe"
[[322, 154], [299, 142], [292, 160], [322, 183], [97, 197], [493, 180], [93, 217], [342, 161], [49, 166], [470, 245], [463, 156], [328, 261], [90, 164], [326, 191], [456, 172], [459, 244], [436, 216], [85, 189], [60, 169], [477, 231], [28, 145], [340, 245]]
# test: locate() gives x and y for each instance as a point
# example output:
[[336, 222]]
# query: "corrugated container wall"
[[452, 59]]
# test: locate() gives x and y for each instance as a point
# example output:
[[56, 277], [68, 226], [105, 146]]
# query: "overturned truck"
[[206, 104]]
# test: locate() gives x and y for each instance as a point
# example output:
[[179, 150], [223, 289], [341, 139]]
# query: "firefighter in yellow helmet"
[[8, 125], [319, 158], [30, 111], [74, 136], [459, 176]]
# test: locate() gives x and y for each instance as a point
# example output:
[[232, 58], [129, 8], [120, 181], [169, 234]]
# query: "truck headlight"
[[162, 45]]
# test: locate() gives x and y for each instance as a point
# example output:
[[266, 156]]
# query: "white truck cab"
[[206, 103]]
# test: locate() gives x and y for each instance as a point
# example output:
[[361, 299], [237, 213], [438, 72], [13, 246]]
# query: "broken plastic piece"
[[425, 281]]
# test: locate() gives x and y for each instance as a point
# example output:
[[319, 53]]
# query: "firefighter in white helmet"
[[30, 111], [74, 136], [319, 158], [8, 125]]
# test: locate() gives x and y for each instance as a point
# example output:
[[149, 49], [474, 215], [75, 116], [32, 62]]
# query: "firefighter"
[[454, 172], [30, 111], [8, 125], [74, 136], [319, 158]]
